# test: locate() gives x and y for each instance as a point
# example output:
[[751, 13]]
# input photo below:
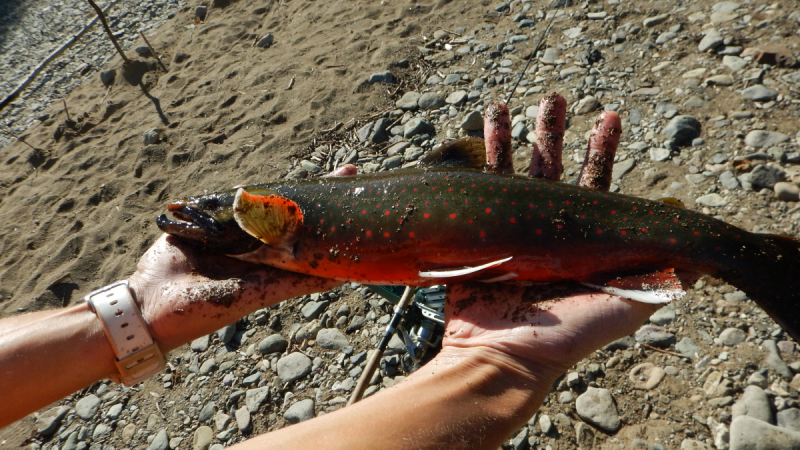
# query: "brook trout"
[[450, 221]]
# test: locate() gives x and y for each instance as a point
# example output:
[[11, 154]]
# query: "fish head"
[[208, 220]]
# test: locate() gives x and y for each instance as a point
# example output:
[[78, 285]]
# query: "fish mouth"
[[191, 223]]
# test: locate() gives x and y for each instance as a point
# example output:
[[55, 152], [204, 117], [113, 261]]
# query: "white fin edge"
[[506, 277], [654, 297], [462, 272]]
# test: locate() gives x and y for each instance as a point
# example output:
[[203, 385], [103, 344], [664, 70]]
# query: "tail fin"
[[769, 273]]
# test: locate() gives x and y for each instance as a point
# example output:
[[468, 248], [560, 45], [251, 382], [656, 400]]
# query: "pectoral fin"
[[453, 273], [272, 219]]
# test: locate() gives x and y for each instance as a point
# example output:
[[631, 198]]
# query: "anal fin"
[[654, 288]]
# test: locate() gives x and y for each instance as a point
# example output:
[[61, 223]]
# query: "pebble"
[[312, 310], [254, 398], [734, 63], [787, 192], [766, 175], [151, 136], [409, 101], [719, 80], [586, 105], [646, 376], [545, 424], [550, 56], [161, 441], [300, 411], [456, 98], [243, 419], [712, 200], [86, 407], [659, 154], [748, 433], [202, 438], [775, 361], [473, 121], [654, 336], [665, 37], [452, 78], [266, 41], [655, 20], [565, 397], [596, 406], [294, 366], [754, 403], [200, 12], [226, 334], [621, 168], [761, 138], [732, 337], [417, 126], [207, 412], [789, 418], [208, 366], [728, 180], [757, 379], [107, 77], [710, 41], [433, 79], [50, 421], [682, 129], [430, 100], [201, 344], [686, 347], [272, 344], [381, 77], [332, 339], [759, 93]]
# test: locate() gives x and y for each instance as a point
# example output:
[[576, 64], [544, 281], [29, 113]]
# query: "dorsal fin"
[[272, 219], [672, 201], [468, 152]]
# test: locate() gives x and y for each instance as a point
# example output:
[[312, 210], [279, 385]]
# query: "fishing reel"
[[422, 323]]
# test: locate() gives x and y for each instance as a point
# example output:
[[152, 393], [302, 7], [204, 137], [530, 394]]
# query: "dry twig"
[[108, 30]]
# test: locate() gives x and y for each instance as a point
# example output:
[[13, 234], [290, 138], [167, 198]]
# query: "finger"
[[550, 124], [603, 142], [497, 136], [346, 170]]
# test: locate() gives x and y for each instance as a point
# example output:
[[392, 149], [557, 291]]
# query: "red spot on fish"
[[623, 232], [322, 221], [497, 201], [549, 204], [470, 220], [411, 235], [538, 231], [566, 202], [673, 240], [403, 190], [338, 204], [583, 216], [318, 204], [446, 203], [505, 189], [717, 248], [466, 202], [643, 230], [426, 202], [473, 185], [450, 189], [377, 206], [480, 199], [364, 211], [369, 233], [453, 215], [513, 220], [386, 213], [599, 231], [415, 189], [649, 212], [530, 205], [635, 208], [696, 233], [674, 220], [513, 203], [487, 210], [483, 234], [386, 234], [594, 202], [427, 215], [333, 229], [560, 226], [613, 212]]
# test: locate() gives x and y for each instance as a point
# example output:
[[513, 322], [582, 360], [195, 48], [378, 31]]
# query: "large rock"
[[202, 438], [293, 367], [597, 407], [748, 433], [409, 101], [759, 93], [710, 41], [416, 126], [161, 441], [50, 421], [87, 407], [431, 100], [254, 398]]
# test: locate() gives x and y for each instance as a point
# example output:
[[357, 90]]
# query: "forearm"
[[465, 399], [68, 344]]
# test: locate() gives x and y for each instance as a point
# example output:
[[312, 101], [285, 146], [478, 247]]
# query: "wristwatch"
[[138, 356]]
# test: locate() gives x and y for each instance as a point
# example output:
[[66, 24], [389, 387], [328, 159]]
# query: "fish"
[[449, 220]]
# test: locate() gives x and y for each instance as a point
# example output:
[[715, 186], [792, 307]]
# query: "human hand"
[[542, 330]]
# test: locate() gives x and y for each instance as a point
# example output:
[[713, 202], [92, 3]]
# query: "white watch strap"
[[138, 356]]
